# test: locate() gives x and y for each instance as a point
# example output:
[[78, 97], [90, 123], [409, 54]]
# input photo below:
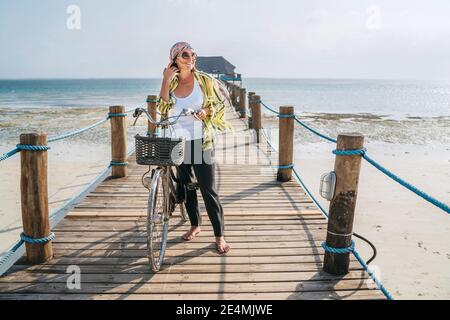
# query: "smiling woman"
[[185, 87]]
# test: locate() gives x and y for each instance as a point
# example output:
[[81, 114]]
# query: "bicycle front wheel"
[[157, 220]]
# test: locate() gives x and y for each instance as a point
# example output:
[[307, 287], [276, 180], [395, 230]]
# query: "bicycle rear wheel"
[[157, 220]]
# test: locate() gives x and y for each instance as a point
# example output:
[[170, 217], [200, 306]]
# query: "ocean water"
[[393, 111]]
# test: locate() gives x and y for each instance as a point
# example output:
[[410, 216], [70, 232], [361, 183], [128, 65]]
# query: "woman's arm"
[[165, 102], [164, 93]]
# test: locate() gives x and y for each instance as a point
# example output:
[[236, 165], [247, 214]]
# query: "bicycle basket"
[[159, 151]]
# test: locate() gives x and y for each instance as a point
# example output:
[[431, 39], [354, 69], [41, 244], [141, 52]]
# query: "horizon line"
[[263, 77]]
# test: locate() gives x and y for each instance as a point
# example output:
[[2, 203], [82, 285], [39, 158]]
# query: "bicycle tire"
[[157, 220]]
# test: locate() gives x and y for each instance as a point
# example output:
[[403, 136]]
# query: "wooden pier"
[[274, 229]]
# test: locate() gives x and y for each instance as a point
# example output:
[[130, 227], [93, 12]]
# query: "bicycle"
[[163, 152]]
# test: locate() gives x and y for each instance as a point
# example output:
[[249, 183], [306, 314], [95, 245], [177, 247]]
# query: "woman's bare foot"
[[221, 245], [191, 233]]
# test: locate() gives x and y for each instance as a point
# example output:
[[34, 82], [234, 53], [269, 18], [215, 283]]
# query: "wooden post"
[[34, 197], [242, 105], [256, 116], [285, 143], [118, 142], [342, 206], [151, 108], [250, 108], [235, 97]]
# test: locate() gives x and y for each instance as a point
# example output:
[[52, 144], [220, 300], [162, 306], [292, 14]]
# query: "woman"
[[183, 86]]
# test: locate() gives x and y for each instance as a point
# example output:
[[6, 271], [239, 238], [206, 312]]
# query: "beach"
[[410, 234]]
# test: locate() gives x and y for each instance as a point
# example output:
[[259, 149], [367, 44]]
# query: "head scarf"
[[177, 48]]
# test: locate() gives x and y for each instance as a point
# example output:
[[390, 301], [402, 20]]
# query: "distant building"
[[219, 67]]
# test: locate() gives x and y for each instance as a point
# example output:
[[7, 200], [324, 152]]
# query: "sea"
[[391, 111]]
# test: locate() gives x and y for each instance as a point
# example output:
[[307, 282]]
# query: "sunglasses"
[[186, 55]]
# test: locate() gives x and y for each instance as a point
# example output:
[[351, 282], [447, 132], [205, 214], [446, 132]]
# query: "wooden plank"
[[255, 218], [150, 287], [178, 268], [118, 237], [185, 245], [201, 252], [176, 221], [185, 227], [230, 224], [320, 295], [266, 234], [30, 277], [218, 259]]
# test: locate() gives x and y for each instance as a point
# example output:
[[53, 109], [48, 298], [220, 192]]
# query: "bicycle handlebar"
[[185, 112]]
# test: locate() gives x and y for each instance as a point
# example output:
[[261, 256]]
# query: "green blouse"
[[215, 97]]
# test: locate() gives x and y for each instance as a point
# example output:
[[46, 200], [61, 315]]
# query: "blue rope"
[[299, 122], [152, 100], [28, 239], [286, 115], [420, 193], [110, 115], [115, 163], [8, 255], [71, 134], [375, 279], [32, 148], [407, 185], [276, 112], [287, 166], [357, 152], [310, 194], [362, 152], [9, 154], [315, 132], [351, 249], [56, 138]]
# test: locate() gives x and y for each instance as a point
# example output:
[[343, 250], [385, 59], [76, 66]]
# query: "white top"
[[188, 126]]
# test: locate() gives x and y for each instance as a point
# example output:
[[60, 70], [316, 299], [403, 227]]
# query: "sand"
[[411, 235], [69, 171]]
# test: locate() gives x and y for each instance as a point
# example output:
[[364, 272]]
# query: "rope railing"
[[18, 147], [17, 250], [11, 255], [350, 249], [441, 205]]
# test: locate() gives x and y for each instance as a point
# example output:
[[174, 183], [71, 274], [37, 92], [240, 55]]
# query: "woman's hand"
[[169, 72], [202, 114]]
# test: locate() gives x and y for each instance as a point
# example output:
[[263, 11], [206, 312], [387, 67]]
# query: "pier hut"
[[220, 67]]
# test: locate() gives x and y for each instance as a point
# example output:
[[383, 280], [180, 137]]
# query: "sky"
[[392, 39]]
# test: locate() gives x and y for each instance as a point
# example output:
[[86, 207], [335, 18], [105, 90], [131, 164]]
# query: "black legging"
[[203, 163]]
